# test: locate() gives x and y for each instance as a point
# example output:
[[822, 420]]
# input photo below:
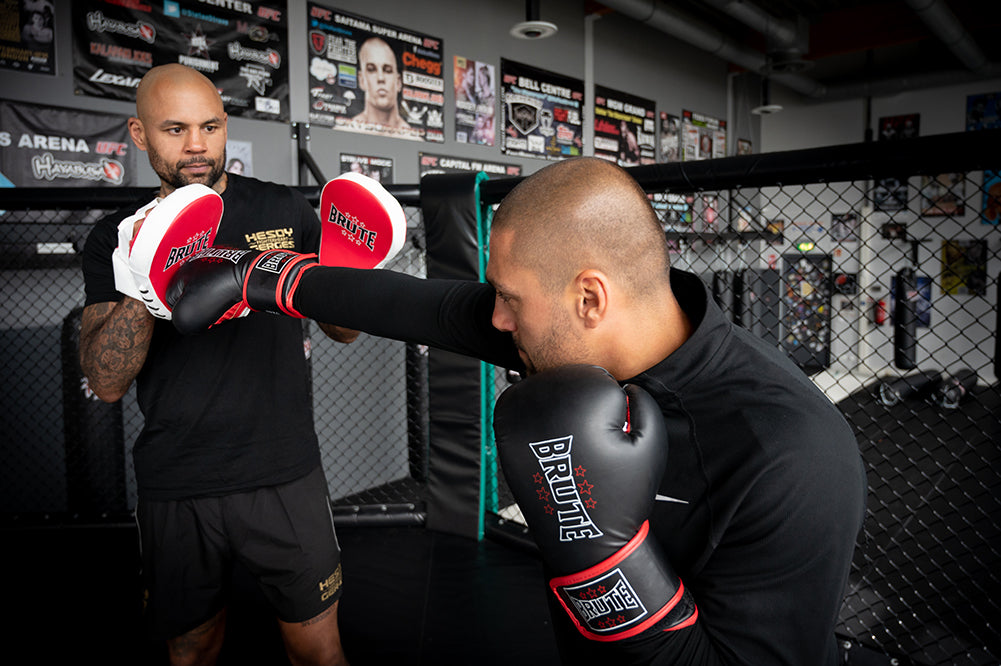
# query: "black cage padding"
[[450, 206]]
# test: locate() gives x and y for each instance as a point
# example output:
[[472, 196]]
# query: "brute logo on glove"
[[369, 224], [557, 469]]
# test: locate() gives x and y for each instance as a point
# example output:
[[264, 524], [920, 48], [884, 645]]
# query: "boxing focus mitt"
[[363, 224], [174, 228]]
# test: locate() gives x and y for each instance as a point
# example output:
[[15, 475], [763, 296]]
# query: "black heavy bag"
[[896, 389], [905, 321], [955, 387], [94, 436]]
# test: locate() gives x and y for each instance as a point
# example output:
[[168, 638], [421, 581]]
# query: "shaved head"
[[584, 213], [160, 81]]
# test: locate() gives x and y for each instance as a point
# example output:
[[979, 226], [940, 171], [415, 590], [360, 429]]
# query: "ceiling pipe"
[[943, 24], [697, 33], [787, 41]]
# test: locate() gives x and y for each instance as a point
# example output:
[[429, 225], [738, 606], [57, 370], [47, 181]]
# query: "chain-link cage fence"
[[67, 455], [885, 292]]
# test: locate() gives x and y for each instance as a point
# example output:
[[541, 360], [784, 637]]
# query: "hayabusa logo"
[[98, 22], [268, 57], [558, 473], [47, 167]]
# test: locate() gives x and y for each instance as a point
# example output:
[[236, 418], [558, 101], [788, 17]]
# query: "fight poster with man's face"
[[624, 128], [543, 112], [375, 78]]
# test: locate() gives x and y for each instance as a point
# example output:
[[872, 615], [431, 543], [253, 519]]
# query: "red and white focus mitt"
[[175, 227], [363, 224]]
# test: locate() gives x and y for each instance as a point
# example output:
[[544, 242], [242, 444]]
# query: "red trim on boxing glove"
[[625, 594], [281, 263]]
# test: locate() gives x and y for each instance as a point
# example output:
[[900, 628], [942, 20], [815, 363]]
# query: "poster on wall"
[[906, 126], [890, 194], [944, 194], [240, 157], [475, 102], [543, 112], [431, 163], [964, 267], [378, 168], [991, 207], [27, 36], [372, 77], [744, 147], [44, 146], [806, 319], [702, 137], [670, 137], [624, 128], [983, 111], [845, 227], [674, 210], [242, 47]]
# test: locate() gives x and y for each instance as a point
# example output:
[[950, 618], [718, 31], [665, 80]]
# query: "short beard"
[[177, 179]]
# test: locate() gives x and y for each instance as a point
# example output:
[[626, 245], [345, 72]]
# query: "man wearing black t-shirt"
[[757, 508], [227, 463]]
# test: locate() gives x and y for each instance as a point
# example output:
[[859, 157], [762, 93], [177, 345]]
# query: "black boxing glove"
[[217, 284], [584, 458]]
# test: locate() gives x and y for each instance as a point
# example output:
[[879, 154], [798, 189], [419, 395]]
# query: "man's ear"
[[591, 289], [137, 133]]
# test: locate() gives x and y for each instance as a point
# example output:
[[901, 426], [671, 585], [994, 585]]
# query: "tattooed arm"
[[114, 340]]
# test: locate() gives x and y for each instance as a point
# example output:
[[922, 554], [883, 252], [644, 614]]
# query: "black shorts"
[[283, 535]]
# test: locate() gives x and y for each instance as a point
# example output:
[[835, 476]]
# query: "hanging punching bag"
[[905, 321]]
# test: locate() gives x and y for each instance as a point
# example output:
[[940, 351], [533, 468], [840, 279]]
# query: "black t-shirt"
[[229, 409], [764, 491]]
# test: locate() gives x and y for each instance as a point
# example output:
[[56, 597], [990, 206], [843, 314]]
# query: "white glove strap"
[[124, 280]]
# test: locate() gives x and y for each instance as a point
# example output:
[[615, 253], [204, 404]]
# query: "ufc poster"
[[374, 78], [624, 128], [430, 163], [242, 46], [702, 137], [55, 147], [475, 102], [670, 137], [543, 112], [27, 35]]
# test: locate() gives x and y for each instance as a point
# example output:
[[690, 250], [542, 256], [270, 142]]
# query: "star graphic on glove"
[[585, 487]]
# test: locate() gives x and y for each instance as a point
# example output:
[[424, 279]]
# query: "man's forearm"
[[114, 341], [453, 315]]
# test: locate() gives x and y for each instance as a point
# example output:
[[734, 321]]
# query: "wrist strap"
[[625, 594]]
